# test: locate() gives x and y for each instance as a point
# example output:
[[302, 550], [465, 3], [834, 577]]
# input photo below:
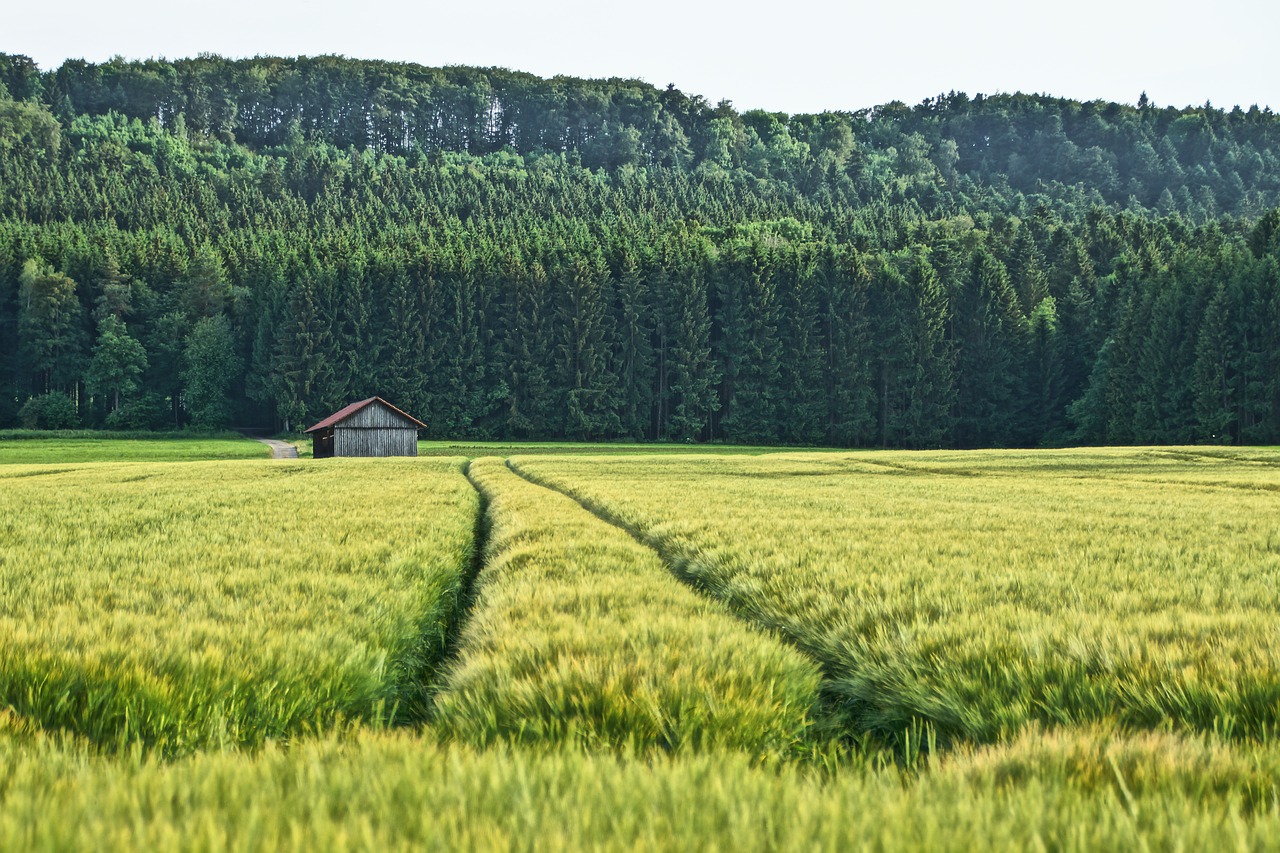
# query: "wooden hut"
[[371, 427]]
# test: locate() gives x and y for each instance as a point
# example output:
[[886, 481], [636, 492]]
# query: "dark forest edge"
[[208, 241]]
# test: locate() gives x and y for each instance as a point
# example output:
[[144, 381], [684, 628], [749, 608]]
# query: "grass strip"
[[19, 447]]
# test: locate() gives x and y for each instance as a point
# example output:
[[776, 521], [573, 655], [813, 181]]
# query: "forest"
[[209, 243]]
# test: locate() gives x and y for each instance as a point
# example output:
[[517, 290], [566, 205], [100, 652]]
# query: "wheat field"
[[982, 592], [370, 791], [580, 634], [195, 603], [1062, 650]]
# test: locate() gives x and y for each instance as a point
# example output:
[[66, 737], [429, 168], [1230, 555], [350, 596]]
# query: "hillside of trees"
[[214, 242]]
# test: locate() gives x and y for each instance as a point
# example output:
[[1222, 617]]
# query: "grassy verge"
[[477, 449], [560, 448]]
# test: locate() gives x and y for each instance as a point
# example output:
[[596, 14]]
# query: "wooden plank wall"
[[375, 442], [376, 416]]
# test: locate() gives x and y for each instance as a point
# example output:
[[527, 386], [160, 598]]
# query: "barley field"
[[981, 592], [195, 603], [578, 633], [1063, 650], [403, 791]]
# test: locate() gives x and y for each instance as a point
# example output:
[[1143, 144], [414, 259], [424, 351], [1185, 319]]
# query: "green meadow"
[[18, 447]]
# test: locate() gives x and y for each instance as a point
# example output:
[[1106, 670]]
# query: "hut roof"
[[344, 413]]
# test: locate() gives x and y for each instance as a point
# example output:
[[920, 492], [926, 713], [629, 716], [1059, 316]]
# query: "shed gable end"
[[376, 416]]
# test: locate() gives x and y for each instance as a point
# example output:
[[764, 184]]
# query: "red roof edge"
[[344, 413]]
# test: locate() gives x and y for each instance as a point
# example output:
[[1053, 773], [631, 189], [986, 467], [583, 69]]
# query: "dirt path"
[[280, 449]]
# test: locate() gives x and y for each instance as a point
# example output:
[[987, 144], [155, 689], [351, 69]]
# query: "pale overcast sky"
[[798, 56]]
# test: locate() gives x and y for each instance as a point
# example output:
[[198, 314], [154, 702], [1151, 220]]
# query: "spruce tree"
[[1162, 411], [50, 339], [115, 295], [463, 396], [692, 373], [1214, 373], [1253, 295], [1046, 404], [912, 359], [842, 284], [271, 299], [988, 333], [584, 378], [353, 332], [1027, 273], [801, 377], [402, 348], [301, 366], [750, 352], [635, 359], [526, 352], [1119, 385], [204, 290]]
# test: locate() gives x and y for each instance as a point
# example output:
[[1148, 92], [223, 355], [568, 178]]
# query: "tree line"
[[216, 242]]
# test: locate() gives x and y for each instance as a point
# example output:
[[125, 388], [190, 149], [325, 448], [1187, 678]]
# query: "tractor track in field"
[[614, 521], [831, 715], [466, 595], [611, 518]]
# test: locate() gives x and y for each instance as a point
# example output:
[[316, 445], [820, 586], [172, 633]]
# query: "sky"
[[796, 56]]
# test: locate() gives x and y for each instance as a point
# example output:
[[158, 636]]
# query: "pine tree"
[[988, 334], [801, 377], [582, 332], [1213, 374], [301, 366], [691, 370], [842, 285], [635, 360], [750, 351]]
